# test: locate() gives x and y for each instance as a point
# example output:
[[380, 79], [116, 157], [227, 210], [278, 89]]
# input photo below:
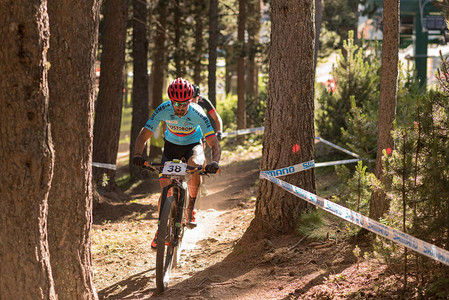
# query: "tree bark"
[[158, 69], [176, 42], [388, 98], [253, 41], [241, 99], [26, 152], [213, 42], [289, 116], [108, 108], [72, 89], [230, 67], [318, 18], [199, 40], [140, 112]]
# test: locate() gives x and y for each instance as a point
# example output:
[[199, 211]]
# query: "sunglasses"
[[180, 104]]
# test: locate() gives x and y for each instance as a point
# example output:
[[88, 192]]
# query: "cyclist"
[[205, 103], [186, 125], [214, 118]]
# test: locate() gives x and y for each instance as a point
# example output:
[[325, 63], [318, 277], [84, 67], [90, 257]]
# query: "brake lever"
[[148, 165]]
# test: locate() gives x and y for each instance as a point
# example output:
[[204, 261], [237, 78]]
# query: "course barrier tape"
[[336, 162], [420, 246], [242, 131], [104, 166], [290, 170], [337, 147], [257, 129], [307, 165]]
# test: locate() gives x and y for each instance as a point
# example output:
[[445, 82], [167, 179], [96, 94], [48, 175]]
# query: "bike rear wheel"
[[166, 250]]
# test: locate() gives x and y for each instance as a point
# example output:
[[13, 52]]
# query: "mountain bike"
[[172, 217]]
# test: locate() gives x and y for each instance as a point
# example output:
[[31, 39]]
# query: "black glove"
[[212, 167], [218, 134], [138, 160]]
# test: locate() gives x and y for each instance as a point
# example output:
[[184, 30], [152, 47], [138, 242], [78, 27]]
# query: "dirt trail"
[[284, 267]]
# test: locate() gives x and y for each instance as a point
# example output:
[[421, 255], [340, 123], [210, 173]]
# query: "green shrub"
[[227, 108], [357, 77]]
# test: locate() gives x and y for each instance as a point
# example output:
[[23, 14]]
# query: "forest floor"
[[213, 264]]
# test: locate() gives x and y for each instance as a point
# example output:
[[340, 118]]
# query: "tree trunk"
[[253, 40], [213, 42], [108, 108], [140, 79], [199, 40], [72, 89], [289, 116], [26, 152], [159, 65], [318, 18], [388, 98], [230, 68], [241, 102], [176, 42]]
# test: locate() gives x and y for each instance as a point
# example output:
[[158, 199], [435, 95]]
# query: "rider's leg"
[[197, 159]]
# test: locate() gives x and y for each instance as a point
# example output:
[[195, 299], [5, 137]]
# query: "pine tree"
[[356, 75]]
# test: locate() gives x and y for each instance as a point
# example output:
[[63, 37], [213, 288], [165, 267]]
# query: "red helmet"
[[180, 90]]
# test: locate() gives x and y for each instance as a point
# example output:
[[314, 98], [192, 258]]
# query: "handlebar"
[[152, 166]]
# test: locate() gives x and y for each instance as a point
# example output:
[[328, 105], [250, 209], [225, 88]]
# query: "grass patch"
[[311, 224], [124, 182]]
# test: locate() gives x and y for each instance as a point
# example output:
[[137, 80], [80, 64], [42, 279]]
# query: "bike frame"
[[179, 195]]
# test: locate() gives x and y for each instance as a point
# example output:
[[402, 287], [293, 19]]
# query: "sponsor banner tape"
[[291, 170], [104, 166], [420, 246], [307, 165]]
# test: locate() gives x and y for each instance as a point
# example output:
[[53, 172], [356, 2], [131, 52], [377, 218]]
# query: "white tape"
[[336, 162], [291, 170], [257, 129], [104, 166], [420, 246], [242, 131], [307, 165], [337, 147]]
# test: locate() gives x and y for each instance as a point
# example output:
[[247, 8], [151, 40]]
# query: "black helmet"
[[196, 90]]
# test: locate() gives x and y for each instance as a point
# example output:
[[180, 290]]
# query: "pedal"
[[191, 225]]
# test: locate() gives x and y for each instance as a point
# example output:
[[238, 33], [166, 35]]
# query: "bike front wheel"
[[166, 248]]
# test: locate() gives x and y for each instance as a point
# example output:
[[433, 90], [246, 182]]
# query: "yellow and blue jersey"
[[184, 130]]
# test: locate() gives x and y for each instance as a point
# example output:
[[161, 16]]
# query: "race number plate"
[[174, 168]]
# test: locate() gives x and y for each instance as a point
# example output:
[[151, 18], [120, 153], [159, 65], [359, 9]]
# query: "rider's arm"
[[147, 131], [213, 143], [213, 113], [144, 135], [163, 128], [217, 119]]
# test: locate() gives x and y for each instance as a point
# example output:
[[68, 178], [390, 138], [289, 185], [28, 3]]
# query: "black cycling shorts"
[[174, 151]]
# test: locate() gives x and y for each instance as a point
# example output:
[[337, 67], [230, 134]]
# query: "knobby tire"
[[165, 254]]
